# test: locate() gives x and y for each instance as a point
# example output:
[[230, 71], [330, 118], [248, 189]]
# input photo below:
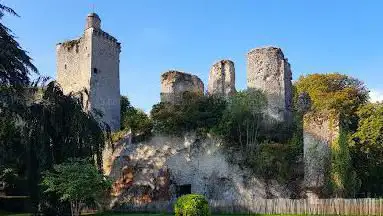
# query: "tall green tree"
[[367, 149], [15, 64]]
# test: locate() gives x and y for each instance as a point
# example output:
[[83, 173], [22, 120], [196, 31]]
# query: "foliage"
[[343, 177], [15, 64], [192, 205], [77, 181], [242, 119], [45, 129], [134, 119], [340, 96], [268, 162], [193, 113], [367, 148], [334, 91]]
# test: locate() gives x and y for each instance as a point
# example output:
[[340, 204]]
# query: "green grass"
[[143, 214], [149, 214], [13, 214]]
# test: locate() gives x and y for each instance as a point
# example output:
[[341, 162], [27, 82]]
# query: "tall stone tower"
[[269, 71], [91, 62], [222, 79]]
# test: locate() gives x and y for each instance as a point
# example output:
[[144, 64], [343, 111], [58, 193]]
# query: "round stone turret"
[[268, 70], [222, 79], [93, 21]]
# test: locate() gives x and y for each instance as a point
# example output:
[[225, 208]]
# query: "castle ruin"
[[222, 79], [269, 71], [175, 83], [92, 63]]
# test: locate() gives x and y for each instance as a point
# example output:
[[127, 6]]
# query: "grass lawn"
[[140, 214], [13, 214], [148, 214]]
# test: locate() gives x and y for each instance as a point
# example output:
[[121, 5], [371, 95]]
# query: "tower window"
[[65, 66], [95, 70]]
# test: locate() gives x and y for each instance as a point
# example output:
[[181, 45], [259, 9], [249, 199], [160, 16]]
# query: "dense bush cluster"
[[192, 205]]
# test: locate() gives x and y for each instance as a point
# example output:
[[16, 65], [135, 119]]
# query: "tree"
[[77, 181], [242, 119], [336, 92], [367, 148], [15, 64], [193, 113], [134, 119], [49, 128]]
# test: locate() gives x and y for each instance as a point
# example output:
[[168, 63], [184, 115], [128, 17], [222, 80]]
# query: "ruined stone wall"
[[222, 79], [269, 71], [175, 83], [92, 63], [320, 130]]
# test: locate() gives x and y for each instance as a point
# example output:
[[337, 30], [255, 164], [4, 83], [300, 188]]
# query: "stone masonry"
[[222, 79], [269, 71], [175, 83], [320, 131], [92, 63]]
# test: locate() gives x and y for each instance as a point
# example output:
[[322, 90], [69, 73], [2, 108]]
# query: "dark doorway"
[[183, 189]]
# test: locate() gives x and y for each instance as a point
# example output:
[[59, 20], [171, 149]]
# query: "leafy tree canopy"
[[77, 181], [333, 91], [134, 119], [193, 113], [367, 148]]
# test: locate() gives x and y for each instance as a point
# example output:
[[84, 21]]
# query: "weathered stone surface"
[[269, 71], [92, 62], [222, 79], [175, 83], [320, 130], [159, 166]]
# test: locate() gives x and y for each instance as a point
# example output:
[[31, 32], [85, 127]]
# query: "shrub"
[[191, 205]]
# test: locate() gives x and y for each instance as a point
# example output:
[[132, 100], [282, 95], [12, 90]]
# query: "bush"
[[15, 204], [191, 205]]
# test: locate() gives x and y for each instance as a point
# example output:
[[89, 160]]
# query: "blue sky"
[[157, 35]]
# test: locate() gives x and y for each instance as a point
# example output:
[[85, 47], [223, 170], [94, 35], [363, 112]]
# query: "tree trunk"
[[75, 208]]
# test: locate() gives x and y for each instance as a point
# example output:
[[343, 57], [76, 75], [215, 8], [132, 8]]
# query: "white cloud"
[[376, 95]]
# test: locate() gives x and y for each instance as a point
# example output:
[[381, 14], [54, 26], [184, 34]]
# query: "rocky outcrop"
[[156, 170], [222, 79], [269, 71], [175, 83]]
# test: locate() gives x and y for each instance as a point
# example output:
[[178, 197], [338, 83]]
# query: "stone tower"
[[222, 79], [175, 83], [269, 71], [91, 62]]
